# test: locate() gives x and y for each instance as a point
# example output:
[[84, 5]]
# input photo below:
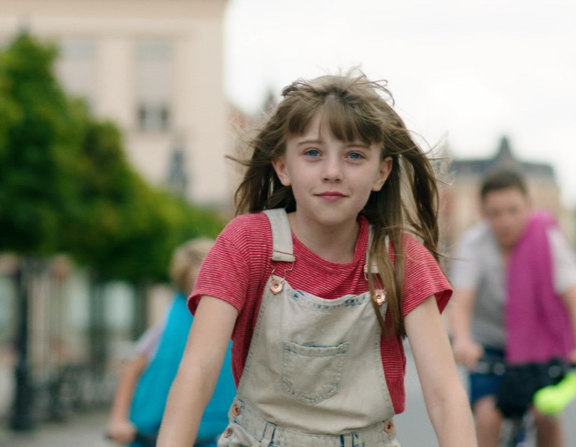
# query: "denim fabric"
[[483, 385], [313, 374]]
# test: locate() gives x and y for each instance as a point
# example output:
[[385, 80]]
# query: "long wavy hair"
[[353, 108]]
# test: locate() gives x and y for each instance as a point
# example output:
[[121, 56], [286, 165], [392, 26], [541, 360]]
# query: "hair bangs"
[[300, 115], [350, 123], [340, 117]]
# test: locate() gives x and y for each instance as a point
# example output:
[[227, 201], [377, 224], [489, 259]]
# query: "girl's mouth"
[[331, 196]]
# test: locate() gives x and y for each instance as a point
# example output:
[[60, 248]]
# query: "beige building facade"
[[155, 67]]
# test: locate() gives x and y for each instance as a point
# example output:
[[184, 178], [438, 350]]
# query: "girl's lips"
[[331, 196]]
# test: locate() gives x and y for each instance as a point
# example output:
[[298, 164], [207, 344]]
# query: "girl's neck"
[[334, 244]]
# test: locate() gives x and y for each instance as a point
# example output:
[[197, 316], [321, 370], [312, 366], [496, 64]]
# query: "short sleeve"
[[148, 343], [423, 278], [464, 269], [564, 262], [235, 263]]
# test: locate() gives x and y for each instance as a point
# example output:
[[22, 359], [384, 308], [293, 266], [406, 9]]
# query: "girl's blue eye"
[[355, 156], [313, 153]]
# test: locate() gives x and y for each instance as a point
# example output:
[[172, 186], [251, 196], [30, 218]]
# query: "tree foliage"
[[39, 143], [66, 185]]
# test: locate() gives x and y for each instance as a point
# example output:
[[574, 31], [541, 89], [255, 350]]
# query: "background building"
[[155, 67], [461, 204]]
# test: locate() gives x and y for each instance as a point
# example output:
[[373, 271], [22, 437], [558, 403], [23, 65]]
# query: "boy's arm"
[[460, 312], [564, 261], [445, 398], [464, 275], [120, 429], [570, 300], [199, 370]]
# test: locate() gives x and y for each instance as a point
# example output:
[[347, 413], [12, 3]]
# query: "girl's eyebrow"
[[310, 141], [358, 144]]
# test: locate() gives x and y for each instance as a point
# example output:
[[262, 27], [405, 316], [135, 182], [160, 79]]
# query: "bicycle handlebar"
[[553, 399], [550, 400], [148, 440], [490, 366]]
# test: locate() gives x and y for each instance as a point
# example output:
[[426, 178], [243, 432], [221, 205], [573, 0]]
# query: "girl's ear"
[[279, 165], [383, 173]]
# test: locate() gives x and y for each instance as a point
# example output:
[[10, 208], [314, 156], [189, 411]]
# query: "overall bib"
[[314, 374]]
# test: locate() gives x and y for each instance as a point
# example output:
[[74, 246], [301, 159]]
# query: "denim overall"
[[314, 374]]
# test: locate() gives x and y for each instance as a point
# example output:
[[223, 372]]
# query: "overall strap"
[[379, 297], [282, 249], [373, 269]]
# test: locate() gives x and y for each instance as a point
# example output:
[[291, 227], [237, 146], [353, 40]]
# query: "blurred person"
[[145, 380], [514, 278]]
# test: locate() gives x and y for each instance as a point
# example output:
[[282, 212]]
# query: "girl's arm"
[[198, 372], [446, 400], [120, 429]]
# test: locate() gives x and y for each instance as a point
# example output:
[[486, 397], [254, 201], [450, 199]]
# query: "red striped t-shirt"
[[239, 265]]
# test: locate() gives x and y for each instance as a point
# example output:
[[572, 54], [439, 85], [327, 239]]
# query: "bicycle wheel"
[[517, 432]]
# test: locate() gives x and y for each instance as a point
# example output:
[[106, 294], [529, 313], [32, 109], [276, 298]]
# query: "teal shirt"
[[153, 387]]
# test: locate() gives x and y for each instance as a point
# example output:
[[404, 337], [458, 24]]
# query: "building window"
[[76, 68], [153, 117], [154, 85]]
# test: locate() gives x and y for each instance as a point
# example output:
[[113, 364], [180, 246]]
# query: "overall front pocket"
[[311, 374]]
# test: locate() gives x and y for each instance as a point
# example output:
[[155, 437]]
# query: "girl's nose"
[[332, 170]]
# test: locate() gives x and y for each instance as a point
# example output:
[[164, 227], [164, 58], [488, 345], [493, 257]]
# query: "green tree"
[[39, 146], [124, 228], [66, 186]]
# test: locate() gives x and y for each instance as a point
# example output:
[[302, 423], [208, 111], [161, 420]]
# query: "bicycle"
[[150, 440], [145, 440], [550, 400]]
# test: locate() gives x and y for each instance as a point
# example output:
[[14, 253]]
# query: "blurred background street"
[[116, 119], [85, 429]]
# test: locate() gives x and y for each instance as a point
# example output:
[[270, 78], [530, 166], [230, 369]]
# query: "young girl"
[[319, 282]]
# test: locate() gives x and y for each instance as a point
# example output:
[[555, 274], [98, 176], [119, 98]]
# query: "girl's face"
[[331, 180]]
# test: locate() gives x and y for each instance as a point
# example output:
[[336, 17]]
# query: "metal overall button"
[[276, 286], [236, 410], [388, 427], [379, 297]]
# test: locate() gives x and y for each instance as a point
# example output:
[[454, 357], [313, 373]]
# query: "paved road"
[[414, 427], [83, 430], [86, 430]]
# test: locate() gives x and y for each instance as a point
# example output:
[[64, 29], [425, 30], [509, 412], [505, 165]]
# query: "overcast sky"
[[465, 70]]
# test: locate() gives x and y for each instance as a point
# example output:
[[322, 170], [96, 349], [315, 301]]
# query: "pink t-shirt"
[[239, 265]]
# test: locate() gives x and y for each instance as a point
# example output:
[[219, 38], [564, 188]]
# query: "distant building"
[[460, 202], [155, 67]]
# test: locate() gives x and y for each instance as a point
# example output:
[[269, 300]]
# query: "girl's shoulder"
[[248, 232], [423, 277], [412, 245], [248, 224], [414, 250]]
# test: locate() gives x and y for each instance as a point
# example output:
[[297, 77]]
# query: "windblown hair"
[[186, 256], [353, 108]]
